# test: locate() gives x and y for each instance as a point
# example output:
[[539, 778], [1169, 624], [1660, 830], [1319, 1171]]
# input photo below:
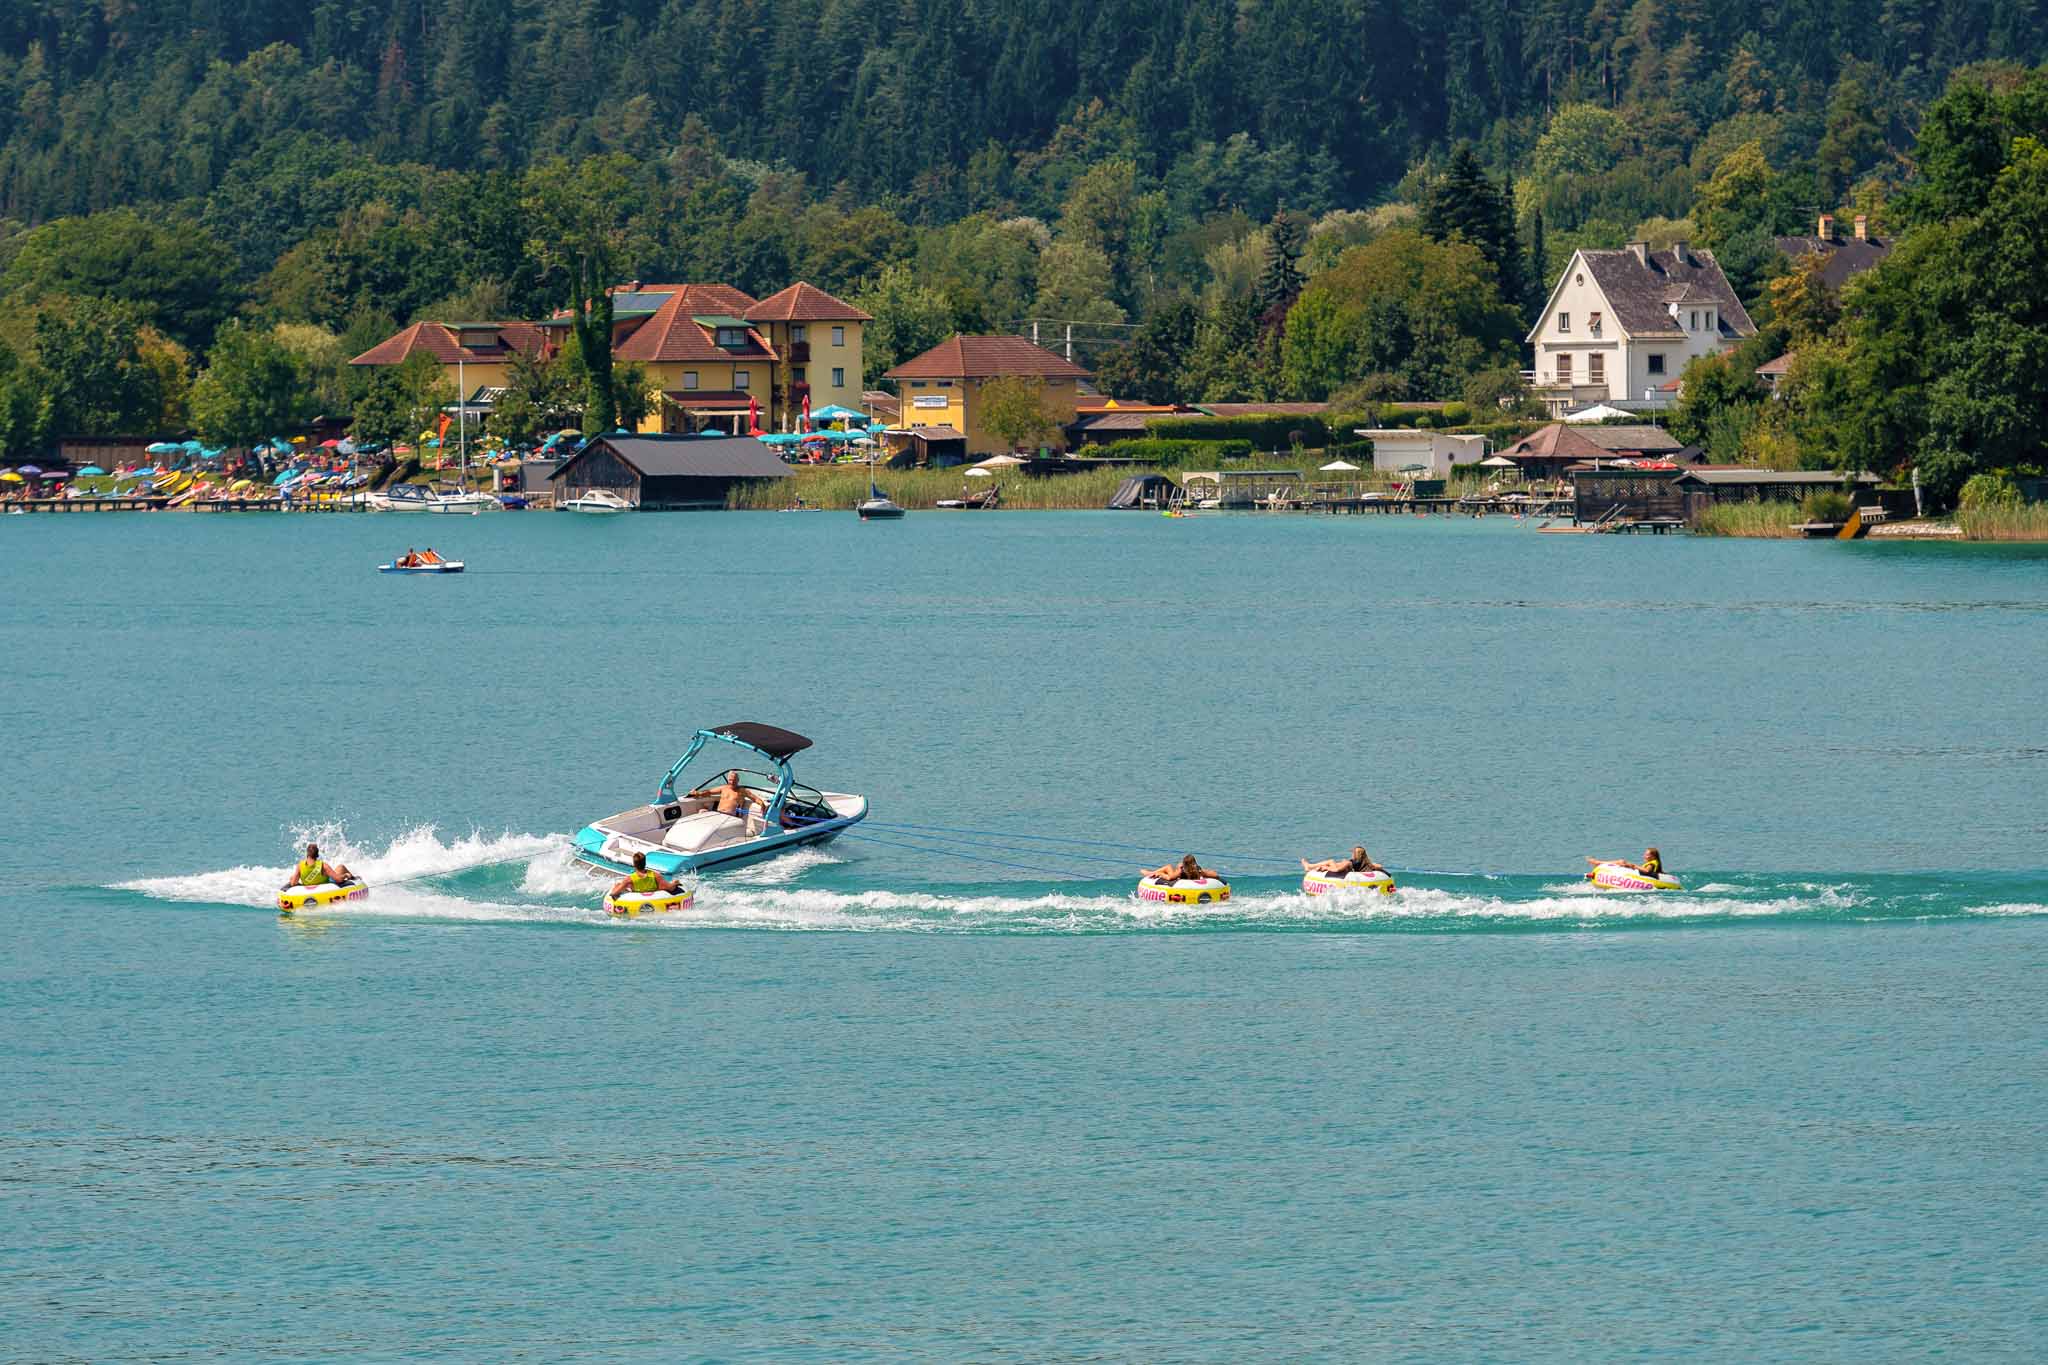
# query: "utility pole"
[[1070, 341]]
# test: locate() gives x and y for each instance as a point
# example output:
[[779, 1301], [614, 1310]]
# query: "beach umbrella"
[[11, 477], [145, 472], [1498, 462], [999, 462], [30, 470], [979, 473], [162, 448], [91, 471], [1344, 465]]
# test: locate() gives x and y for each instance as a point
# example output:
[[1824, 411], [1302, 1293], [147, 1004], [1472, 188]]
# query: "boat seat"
[[705, 829]]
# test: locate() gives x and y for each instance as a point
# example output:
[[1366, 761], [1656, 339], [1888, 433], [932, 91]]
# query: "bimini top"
[[774, 742]]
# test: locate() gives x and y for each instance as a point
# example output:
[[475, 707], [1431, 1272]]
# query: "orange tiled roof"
[[965, 357], [672, 336], [803, 302], [437, 339]]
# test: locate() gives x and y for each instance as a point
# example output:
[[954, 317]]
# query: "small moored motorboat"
[[683, 829], [599, 502], [1184, 891], [294, 899]]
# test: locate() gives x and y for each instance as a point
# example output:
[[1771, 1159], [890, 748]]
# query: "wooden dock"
[[154, 502]]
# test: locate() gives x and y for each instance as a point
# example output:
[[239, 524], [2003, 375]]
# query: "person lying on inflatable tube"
[[1652, 865], [1190, 870], [311, 871], [643, 881], [1359, 861]]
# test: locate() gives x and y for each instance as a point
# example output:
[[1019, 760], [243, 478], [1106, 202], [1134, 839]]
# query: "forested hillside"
[[1231, 198]]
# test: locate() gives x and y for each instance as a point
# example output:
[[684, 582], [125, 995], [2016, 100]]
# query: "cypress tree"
[[1463, 203], [1280, 277]]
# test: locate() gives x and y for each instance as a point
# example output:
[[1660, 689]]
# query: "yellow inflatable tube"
[[1325, 883], [296, 898], [634, 903], [1619, 877], [1205, 891]]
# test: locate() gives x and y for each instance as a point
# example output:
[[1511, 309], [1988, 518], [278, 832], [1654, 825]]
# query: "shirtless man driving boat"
[[733, 799]]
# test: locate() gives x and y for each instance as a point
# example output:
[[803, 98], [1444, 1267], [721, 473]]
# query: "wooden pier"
[[154, 502]]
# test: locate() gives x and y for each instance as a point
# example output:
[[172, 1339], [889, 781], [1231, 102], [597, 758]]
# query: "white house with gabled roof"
[[1621, 326]]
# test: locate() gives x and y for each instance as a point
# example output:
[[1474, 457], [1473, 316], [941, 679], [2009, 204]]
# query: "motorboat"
[[403, 497], [464, 504], [682, 829], [598, 502]]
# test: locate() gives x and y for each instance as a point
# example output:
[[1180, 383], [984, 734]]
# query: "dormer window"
[[732, 338]]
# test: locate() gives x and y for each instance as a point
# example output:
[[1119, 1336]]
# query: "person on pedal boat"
[[643, 880], [733, 798], [1189, 870], [1359, 861], [411, 559], [311, 871], [1652, 864]]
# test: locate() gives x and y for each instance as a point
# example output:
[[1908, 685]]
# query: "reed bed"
[[2026, 522], [1753, 520], [843, 487]]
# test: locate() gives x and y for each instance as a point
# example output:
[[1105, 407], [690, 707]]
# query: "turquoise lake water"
[[945, 1090]]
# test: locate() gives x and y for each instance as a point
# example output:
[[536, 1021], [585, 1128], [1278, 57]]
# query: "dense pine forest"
[[1352, 199]]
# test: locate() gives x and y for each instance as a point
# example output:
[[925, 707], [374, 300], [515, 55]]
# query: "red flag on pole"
[[753, 416], [807, 410]]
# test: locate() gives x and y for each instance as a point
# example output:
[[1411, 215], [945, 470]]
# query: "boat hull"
[[452, 566], [603, 851]]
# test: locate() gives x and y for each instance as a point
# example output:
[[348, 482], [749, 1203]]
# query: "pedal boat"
[[1616, 877], [684, 833], [445, 566]]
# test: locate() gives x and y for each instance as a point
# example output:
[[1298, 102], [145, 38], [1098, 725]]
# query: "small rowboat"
[[635, 903], [1202, 891], [293, 899], [445, 566]]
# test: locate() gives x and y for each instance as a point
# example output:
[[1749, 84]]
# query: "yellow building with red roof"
[[942, 387]]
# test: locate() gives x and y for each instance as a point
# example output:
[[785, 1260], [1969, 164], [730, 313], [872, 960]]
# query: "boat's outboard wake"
[[522, 878]]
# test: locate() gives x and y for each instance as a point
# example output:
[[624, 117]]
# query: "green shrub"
[[1274, 431], [1988, 492], [1170, 453], [1828, 505], [1423, 421], [1456, 414]]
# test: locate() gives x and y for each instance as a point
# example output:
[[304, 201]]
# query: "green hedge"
[[1274, 432], [1169, 453]]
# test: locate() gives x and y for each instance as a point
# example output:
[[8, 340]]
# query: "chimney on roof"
[[1862, 227], [1641, 251], [1827, 227], [1678, 252]]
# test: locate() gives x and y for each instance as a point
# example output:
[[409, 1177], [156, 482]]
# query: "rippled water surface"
[[946, 1089]]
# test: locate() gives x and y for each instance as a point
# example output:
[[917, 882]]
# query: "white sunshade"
[[1339, 464], [1498, 462], [979, 473], [998, 462]]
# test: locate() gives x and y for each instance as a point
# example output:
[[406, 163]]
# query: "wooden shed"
[[665, 472]]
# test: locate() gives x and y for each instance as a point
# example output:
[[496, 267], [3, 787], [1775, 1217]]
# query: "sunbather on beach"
[[1189, 870]]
